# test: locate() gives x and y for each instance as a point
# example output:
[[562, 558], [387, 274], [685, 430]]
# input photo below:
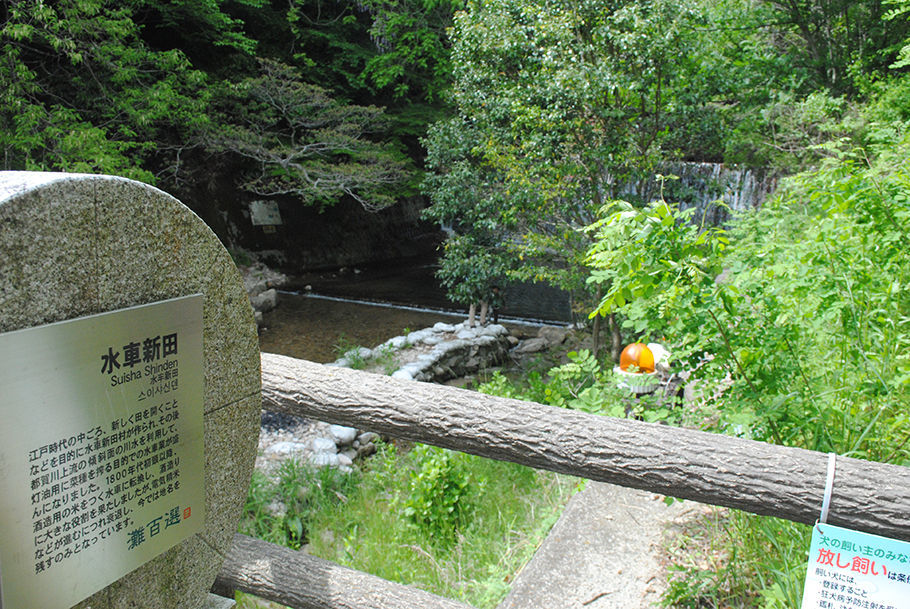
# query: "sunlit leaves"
[[807, 310], [564, 100], [84, 92]]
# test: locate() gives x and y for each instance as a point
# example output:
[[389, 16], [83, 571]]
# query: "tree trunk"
[[595, 336], [615, 339]]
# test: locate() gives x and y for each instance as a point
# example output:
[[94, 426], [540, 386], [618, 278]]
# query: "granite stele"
[[129, 396]]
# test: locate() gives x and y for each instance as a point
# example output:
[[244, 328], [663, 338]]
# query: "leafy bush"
[[582, 384], [439, 502]]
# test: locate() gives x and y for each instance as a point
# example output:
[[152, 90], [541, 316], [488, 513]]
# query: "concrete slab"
[[603, 553]]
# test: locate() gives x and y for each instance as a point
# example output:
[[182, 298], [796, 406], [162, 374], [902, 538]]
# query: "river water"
[[314, 328], [318, 313]]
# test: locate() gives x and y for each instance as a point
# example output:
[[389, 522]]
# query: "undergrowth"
[[453, 524], [280, 510], [793, 323], [733, 560]]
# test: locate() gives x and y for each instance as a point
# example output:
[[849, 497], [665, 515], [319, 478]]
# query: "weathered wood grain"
[[303, 581], [720, 470]]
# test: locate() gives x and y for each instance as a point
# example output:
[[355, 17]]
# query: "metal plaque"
[[101, 449], [265, 213]]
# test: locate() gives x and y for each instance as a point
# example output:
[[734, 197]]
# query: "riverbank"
[[606, 550], [369, 528], [444, 353]]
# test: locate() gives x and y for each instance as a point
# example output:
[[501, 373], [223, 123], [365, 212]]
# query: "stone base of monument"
[[104, 432]]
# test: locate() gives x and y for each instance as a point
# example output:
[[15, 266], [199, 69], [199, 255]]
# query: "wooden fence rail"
[[302, 581], [720, 470]]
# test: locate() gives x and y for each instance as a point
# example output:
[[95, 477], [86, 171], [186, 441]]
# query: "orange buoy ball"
[[637, 355]]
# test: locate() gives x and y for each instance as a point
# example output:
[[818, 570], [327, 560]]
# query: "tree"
[[83, 91], [301, 142], [838, 40], [414, 52], [568, 100], [97, 86], [467, 199]]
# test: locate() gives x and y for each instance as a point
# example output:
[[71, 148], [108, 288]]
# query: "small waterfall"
[[712, 189]]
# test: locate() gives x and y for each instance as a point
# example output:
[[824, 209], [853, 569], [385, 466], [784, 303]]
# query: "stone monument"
[[86, 248]]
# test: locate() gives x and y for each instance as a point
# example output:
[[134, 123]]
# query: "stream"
[[320, 312], [315, 328]]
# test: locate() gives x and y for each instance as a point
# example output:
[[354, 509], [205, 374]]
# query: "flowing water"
[[713, 189]]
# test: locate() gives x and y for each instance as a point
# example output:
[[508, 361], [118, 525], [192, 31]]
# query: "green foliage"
[[241, 257], [795, 321], [414, 58], [832, 40], [792, 131], [469, 270], [655, 254], [382, 358], [806, 316], [583, 383], [385, 358], [901, 10], [150, 90], [370, 532], [737, 560], [563, 105], [440, 501], [83, 91], [888, 112], [822, 278], [558, 104], [329, 44], [466, 194], [281, 511], [568, 90], [350, 351], [302, 142], [467, 198]]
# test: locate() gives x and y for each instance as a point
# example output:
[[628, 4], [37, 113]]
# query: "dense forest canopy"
[[139, 88], [181, 93]]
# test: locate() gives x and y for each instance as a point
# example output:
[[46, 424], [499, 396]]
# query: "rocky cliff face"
[[309, 239], [347, 235]]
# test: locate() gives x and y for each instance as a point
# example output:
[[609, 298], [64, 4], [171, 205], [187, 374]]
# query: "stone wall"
[[436, 354], [343, 234]]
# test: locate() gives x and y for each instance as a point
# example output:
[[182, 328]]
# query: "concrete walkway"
[[603, 553]]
